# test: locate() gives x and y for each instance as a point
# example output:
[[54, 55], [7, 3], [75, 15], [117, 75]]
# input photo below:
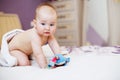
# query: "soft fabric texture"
[[5, 58], [86, 63]]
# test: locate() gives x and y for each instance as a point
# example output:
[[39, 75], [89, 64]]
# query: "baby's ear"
[[32, 24]]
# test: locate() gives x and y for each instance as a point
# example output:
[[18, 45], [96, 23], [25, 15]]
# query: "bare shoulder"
[[51, 38]]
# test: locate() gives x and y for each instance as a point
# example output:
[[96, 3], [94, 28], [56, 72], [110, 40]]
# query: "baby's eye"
[[51, 24], [43, 24]]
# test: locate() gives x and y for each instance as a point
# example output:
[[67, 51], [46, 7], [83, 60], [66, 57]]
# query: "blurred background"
[[80, 22]]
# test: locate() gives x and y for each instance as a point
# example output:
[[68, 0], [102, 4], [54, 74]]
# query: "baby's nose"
[[47, 27]]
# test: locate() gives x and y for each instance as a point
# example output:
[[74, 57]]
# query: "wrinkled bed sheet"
[[86, 63]]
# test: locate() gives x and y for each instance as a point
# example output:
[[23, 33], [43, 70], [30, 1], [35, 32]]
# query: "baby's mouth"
[[47, 32]]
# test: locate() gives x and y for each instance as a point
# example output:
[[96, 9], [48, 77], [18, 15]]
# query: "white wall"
[[114, 22], [98, 17]]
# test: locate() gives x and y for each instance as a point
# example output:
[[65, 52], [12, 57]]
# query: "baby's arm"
[[54, 45], [38, 53]]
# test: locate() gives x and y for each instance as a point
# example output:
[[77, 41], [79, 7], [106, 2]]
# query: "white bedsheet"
[[83, 66]]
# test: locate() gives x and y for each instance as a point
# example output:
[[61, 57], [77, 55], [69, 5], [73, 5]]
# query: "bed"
[[86, 63]]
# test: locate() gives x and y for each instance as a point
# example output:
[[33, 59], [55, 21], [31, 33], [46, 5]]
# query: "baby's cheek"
[[53, 31]]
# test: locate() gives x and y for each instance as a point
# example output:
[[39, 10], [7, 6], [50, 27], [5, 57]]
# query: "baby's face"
[[46, 21]]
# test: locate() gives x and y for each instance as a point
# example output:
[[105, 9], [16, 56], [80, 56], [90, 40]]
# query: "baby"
[[31, 41]]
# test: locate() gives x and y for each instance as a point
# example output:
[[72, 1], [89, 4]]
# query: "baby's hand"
[[42, 61], [43, 64]]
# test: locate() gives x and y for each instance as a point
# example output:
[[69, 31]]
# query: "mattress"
[[86, 63]]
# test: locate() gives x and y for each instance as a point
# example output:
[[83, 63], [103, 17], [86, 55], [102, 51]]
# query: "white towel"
[[5, 58]]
